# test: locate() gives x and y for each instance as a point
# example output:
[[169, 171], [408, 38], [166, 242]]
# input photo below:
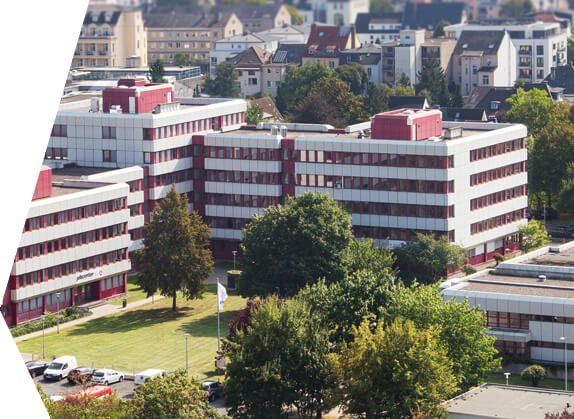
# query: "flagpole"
[[218, 335]]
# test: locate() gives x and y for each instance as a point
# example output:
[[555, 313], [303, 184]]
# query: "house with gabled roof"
[[326, 42]]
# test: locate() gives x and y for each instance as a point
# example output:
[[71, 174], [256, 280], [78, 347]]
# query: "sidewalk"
[[99, 311]]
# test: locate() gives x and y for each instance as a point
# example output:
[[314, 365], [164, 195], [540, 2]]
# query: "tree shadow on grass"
[[207, 326], [130, 320]]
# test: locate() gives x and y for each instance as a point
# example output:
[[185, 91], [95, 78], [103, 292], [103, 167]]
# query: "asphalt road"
[[124, 389]]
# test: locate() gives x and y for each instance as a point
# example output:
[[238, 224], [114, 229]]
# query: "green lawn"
[[516, 380], [149, 336], [135, 293]]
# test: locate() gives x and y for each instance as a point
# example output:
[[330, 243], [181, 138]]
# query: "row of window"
[[71, 241], [496, 149], [51, 300], [169, 178], [193, 126], [386, 233], [498, 173], [136, 234], [59, 130], [518, 348], [262, 178], [496, 197], [521, 321], [137, 209], [167, 155], [236, 200], [497, 221], [56, 153], [375, 184], [71, 267], [78, 213], [136, 185], [112, 282], [399, 210]]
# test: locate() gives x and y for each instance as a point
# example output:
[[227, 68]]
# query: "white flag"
[[221, 295]]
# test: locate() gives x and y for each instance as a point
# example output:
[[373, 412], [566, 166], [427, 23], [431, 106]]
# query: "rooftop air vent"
[[274, 130], [541, 278], [453, 132], [464, 46]]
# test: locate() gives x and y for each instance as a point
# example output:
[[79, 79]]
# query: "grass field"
[[516, 380], [135, 293], [149, 336]]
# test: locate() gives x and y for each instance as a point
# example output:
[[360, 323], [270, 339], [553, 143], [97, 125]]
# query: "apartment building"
[[539, 46], [257, 18], [529, 302], [326, 42], [73, 249], [139, 124], [484, 59], [376, 28], [369, 56], [413, 174], [111, 36], [191, 32], [344, 12]]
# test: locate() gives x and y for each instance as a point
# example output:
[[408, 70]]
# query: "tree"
[[296, 18], [355, 75], [345, 304], [376, 98], [432, 78], [403, 90], [364, 255], [181, 60], [292, 245], [570, 50], [564, 415], [533, 235], [344, 107], [428, 259], [176, 255], [381, 6], [225, 82], [281, 361], [172, 395], [157, 72], [533, 109], [445, 98], [566, 197], [462, 330], [515, 8], [534, 374], [439, 28], [298, 83], [394, 370], [254, 114], [456, 98], [404, 81]]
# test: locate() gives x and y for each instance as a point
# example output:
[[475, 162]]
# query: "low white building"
[[230, 47], [344, 12]]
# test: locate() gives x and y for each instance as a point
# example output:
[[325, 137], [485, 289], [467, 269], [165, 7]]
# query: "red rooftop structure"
[[137, 95], [407, 125]]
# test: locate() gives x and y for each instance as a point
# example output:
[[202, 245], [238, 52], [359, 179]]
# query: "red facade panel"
[[407, 125], [43, 184]]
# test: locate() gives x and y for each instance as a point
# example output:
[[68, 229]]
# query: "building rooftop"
[[76, 173], [563, 258], [498, 401]]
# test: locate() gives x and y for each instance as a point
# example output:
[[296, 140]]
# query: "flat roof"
[[62, 190], [563, 258], [59, 175], [499, 401]]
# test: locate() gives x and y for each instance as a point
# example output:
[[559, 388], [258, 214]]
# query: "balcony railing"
[[103, 52], [90, 52]]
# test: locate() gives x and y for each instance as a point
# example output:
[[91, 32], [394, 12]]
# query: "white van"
[[60, 368], [143, 376]]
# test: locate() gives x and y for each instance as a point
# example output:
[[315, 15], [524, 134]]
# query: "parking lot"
[[124, 389]]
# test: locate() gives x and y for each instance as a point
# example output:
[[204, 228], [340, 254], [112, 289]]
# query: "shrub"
[[534, 373], [469, 269], [498, 258], [50, 319]]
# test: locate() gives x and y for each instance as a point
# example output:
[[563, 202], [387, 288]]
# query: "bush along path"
[[51, 319]]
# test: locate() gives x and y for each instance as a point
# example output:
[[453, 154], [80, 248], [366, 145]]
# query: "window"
[[109, 156], [540, 50], [59, 130], [109, 132], [485, 79], [252, 81]]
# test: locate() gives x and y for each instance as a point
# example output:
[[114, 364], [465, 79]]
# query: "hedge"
[[51, 319]]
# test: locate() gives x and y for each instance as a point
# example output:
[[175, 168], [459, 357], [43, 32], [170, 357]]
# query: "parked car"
[[95, 391], [60, 368], [214, 389], [106, 377], [144, 376], [36, 368], [551, 214], [80, 375]]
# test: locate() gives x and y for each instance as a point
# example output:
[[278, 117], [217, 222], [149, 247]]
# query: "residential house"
[[427, 15], [410, 102], [110, 36], [344, 12], [258, 18], [230, 47], [289, 55], [539, 46], [562, 77], [326, 42], [369, 56], [295, 34], [376, 28], [191, 32], [483, 58], [464, 114], [270, 111]]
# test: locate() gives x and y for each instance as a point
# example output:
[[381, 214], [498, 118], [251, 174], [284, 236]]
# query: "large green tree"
[[433, 79], [225, 82], [175, 256], [462, 330], [381, 6], [376, 98], [427, 259], [279, 362], [254, 114], [533, 109], [395, 371], [157, 72], [298, 83], [295, 244], [533, 236], [173, 395], [296, 18], [439, 28], [355, 75], [566, 197], [516, 8]]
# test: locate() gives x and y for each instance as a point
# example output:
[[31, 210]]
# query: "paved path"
[[106, 309]]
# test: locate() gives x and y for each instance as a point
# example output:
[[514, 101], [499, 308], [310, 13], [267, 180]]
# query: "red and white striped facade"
[[75, 242]]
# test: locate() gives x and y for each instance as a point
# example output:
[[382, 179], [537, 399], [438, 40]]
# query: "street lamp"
[[506, 375], [58, 311], [563, 338], [43, 339], [186, 353], [234, 254]]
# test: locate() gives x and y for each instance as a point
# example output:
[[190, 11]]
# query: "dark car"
[[36, 368], [213, 388], [81, 375], [551, 214]]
